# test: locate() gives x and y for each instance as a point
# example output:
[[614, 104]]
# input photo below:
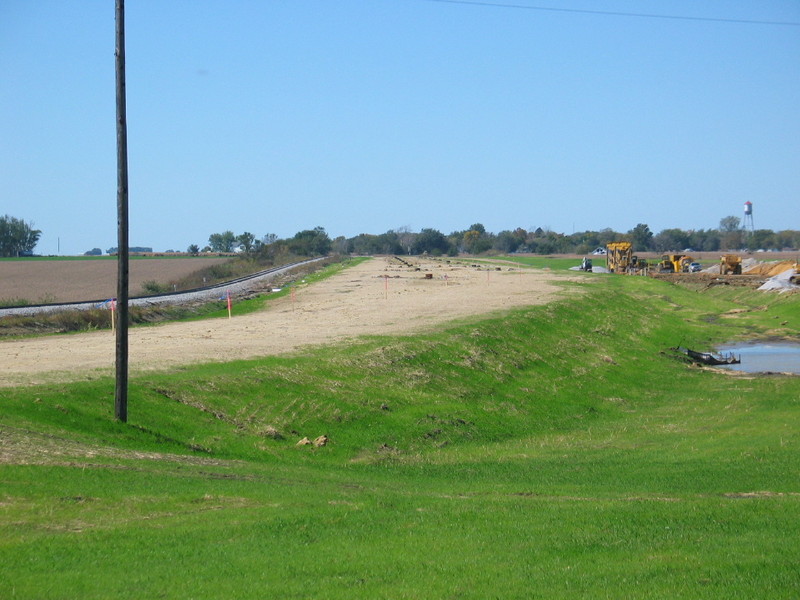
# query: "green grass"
[[558, 451], [555, 263]]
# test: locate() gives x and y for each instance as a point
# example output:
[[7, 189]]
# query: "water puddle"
[[761, 357]]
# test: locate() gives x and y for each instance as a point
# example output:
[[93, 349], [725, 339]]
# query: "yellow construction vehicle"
[[795, 277], [619, 257], [730, 263], [675, 263]]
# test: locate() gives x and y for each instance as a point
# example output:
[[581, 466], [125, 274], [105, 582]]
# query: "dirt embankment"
[[379, 296]]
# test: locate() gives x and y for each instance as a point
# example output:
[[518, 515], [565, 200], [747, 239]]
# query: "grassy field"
[[560, 451]]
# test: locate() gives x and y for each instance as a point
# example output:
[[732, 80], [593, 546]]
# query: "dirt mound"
[[770, 269]]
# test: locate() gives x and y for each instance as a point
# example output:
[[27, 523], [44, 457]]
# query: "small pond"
[[760, 357]]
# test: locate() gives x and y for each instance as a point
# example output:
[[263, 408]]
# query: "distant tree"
[[507, 242], [729, 223], [641, 237], [339, 245], [246, 241], [132, 249], [93, 252], [761, 239], [671, 239], [475, 241], [222, 242], [607, 235], [431, 241], [367, 243], [310, 242], [405, 237], [706, 240], [17, 237], [732, 240], [193, 249], [787, 239]]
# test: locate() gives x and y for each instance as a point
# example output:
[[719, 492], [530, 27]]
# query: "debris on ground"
[[709, 358], [782, 281]]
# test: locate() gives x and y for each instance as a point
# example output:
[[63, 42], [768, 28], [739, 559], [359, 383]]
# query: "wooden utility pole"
[[121, 391]]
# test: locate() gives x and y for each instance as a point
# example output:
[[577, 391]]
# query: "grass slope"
[[557, 451]]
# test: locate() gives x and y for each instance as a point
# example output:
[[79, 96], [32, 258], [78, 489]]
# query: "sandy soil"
[[50, 281], [379, 296]]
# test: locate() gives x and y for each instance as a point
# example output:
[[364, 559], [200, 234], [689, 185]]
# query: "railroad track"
[[204, 294]]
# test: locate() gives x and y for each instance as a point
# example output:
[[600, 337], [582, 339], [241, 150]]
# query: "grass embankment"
[[557, 452]]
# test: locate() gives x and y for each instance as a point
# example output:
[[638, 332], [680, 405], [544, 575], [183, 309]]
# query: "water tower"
[[748, 217]]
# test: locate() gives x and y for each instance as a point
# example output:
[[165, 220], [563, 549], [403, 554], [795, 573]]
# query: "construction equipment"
[[586, 264], [795, 277], [730, 264], [619, 257], [675, 263]]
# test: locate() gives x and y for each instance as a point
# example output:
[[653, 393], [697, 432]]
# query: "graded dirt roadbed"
[[380, 296]]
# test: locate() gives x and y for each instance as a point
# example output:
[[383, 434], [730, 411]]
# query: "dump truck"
[[675, 263], [730, 264]]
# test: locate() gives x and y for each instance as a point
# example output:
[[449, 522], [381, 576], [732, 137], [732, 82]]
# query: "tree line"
[[18, 238], [477, 240]]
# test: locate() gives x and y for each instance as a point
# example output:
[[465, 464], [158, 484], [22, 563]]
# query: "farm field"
[[549, 446], [59, 280]]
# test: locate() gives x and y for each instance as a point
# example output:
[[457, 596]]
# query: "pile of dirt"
[[770, 269]]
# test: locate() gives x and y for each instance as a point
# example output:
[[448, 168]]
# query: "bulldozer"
[[730, 264], [675, 263]]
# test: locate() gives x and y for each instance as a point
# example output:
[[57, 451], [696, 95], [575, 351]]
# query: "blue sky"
[[361, 116]]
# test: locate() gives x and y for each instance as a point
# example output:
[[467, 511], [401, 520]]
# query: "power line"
[[616, 13]]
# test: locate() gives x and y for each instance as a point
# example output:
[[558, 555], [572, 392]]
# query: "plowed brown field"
[[379, 296], [50, 281]]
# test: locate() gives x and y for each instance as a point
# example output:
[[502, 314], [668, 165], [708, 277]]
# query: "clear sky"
[[361, 116]]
